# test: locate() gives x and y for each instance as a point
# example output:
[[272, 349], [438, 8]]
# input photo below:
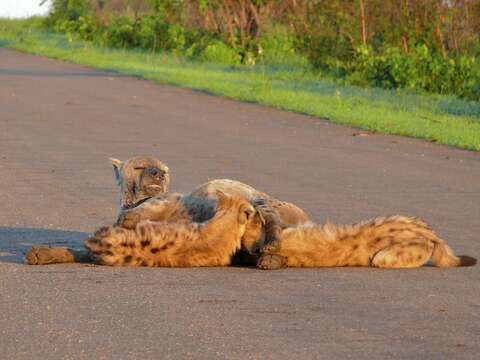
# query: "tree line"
[[431, 45]]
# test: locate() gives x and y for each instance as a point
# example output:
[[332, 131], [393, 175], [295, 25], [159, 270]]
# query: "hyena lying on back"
[[137, 185], [176, 244], [385, 242], [144, 184]]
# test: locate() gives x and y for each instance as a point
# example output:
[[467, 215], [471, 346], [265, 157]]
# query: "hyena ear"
[[117, 165], [221, 196], [246, 212]]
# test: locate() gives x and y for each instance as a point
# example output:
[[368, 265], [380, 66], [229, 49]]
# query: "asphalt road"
[[59, 123]]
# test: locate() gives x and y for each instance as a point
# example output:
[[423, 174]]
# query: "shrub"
[[147, 28], [69, 10], [277, 48], [220, 53], [171, 37], [420, 69], [120, 32]]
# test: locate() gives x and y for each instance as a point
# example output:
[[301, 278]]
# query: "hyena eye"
[[155, 172]]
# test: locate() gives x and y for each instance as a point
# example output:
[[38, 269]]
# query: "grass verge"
[[441, 119]]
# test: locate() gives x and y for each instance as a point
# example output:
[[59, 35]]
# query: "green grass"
[[441, 119]]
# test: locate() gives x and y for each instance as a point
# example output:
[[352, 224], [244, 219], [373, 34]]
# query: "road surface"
[[59, 124]]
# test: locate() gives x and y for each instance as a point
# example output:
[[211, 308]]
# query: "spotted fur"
[[385, 242], [176, 244]]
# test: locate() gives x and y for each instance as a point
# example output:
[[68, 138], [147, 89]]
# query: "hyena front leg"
[[151, 209], [277, 216], [410, 255], [272, 223], [271, 262]]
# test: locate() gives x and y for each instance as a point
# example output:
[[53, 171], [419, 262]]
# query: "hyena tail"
[[443, 256]]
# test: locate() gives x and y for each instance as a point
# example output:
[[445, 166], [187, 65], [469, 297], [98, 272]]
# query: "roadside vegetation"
[[430, 45], [409, 70]]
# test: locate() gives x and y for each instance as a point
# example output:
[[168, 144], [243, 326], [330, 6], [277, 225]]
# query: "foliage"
[[120, 32], [426, 45], [419, 69], [69, 10], [220, 53], [278, 49]]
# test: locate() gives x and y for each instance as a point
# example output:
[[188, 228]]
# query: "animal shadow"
[[15, 242]]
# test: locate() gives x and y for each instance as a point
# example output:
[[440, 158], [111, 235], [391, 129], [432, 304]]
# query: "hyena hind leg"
[[44, 255], [400, 256], [109, 245]]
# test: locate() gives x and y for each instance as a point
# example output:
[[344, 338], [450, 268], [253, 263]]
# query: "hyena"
[[144, 185], [385, 242], [176, 244]]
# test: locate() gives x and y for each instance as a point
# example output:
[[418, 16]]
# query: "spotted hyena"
[[144, 196]]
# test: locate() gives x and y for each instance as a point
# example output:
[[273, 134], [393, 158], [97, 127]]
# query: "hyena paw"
[[271, 262], [43, 255], [270, 247]]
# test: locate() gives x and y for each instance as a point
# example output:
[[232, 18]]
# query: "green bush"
[[420, 69], [172, 37], [147, 28], [69, 10], [369, 69], [120, 32], [220, 53], [153, 33], [84, 27], [277, 48]]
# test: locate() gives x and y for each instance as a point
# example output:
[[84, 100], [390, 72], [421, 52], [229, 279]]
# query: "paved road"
[[59, 123]]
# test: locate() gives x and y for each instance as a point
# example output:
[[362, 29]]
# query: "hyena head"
[[140, 178], [250, 221], [254, 235]]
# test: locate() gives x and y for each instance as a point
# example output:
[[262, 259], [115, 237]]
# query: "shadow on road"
[[15, 242]]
